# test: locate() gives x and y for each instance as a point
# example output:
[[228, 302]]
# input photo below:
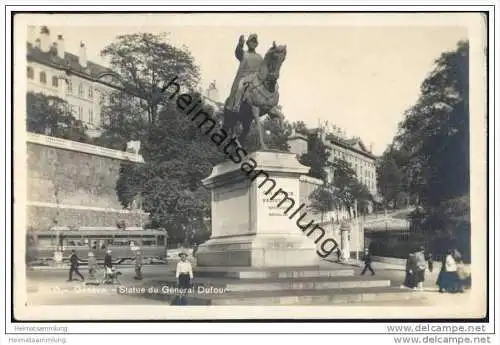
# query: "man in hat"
[[367, 259], [250, 62], [184, 272]]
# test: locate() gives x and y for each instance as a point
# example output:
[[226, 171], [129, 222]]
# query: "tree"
[[317, 157], [348, 189], [50, 115], [276, 136], [145, 63], [124, 120], [434, 139], [300, 127], [324, 199], [391, 180], [177, 157], [435, 131]]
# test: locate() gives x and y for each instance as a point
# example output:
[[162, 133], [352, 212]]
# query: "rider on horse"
[[250, 62]]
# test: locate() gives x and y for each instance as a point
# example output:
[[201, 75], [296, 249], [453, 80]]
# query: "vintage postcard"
[[212, 166]]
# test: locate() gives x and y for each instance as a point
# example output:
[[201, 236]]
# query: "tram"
[[41, 245]]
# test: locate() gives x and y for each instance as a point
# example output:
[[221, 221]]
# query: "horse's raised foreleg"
[[256, 116]]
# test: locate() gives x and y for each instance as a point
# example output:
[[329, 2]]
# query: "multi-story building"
[[353, 151], [52, 70], [72, 184]]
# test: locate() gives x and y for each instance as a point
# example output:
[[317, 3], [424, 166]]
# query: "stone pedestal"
[[255, 206]]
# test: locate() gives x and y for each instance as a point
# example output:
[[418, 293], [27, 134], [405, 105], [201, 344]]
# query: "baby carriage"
[[111, 276]]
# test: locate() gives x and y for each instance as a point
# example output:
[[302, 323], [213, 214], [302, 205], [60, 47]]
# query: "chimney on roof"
[[44, 39], [31, 34], [82, 57], [60, 46]]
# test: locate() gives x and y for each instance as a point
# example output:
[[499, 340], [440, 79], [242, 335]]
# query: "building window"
[[80, 113], [69, 88], [91, 116], [31, 73], [43, 78], [55, 81], [80, 90], [91, 92]]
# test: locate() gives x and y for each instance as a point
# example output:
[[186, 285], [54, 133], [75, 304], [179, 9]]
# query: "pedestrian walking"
[[108, 260], [367, 259], [138, 264], [74, 262], [339, 255], [108, 268], [430, 262], [92, 267]]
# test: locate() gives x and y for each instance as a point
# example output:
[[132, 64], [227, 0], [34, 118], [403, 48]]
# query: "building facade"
[[53, 71], [352, 151]]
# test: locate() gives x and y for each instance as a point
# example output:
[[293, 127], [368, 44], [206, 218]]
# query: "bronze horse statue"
[[257, 95]]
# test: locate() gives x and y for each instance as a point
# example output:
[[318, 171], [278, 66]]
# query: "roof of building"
[[70, 62], [353, 144]]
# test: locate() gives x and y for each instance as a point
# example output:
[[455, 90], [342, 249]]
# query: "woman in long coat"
[[410, 278], [448, 279]]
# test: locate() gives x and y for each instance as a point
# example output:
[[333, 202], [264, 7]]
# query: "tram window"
[[160, 240], [46, 241], [75, 242], [148, 242], [121, 243]]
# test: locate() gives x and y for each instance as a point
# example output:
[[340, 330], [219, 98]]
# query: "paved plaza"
[[50, 287]]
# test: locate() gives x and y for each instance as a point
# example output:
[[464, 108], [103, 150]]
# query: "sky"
[[359, 77]]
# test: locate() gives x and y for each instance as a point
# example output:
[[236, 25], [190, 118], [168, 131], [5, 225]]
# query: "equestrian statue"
[[255, 89]]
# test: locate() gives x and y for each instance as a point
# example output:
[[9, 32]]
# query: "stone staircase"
[[315, 285]]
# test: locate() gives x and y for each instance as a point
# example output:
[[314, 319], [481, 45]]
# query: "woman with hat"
[[184, 272], [421, 266]]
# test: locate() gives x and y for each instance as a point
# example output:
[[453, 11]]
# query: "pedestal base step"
[[278, 284], [382, 295], [279, 272]]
